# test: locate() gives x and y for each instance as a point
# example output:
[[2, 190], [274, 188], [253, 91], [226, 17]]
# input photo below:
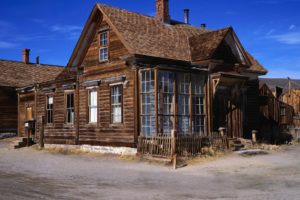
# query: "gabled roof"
[[147, 36], [203, 46], [19, 74], [255, 65], [283, 83]]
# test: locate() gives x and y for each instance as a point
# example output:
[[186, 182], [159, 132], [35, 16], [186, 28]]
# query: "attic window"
[[103, 51]]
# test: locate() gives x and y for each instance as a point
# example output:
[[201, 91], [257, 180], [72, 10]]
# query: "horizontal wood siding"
[[8, 110], [58, 132]]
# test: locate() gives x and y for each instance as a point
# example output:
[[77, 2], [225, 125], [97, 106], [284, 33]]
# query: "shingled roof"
[[283, 83], [19, 74], [148, 36]]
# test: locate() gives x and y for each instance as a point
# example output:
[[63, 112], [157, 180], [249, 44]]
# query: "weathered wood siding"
[[8, 110], [104, 132], [58, 132]]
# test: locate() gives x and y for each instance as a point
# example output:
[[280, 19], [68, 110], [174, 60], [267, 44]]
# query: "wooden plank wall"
[[59, 132], [105, 133], [8, 110]]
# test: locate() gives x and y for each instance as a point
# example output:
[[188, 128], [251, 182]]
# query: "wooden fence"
[[183, 145]]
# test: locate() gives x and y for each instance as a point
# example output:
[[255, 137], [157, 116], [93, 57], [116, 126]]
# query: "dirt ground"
[[31, 174]]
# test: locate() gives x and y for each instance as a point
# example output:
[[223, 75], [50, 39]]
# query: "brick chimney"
[[25, 54], [162, 10]]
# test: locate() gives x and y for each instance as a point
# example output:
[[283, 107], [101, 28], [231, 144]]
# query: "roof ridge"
[[154, 18], [16, 61]]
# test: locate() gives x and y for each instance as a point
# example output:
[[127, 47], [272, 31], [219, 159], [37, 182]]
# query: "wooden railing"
[[183, 145]]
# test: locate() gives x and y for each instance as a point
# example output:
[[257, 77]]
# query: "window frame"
[[120, 85], [104, 46], [51, 110], [93, 106], [145, 93], [193, 117], [71, 108]]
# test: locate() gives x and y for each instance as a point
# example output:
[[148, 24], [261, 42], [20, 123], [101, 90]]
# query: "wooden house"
[[288, 91], [133, 75], [276, 116], [15, 75]]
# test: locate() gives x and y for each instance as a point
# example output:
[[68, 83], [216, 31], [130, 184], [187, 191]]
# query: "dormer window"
[[103, 51]]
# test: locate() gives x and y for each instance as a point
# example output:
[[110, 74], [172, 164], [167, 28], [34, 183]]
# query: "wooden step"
[[24, 143]]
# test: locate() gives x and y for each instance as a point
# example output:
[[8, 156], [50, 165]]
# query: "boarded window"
[[148, 103], [198, 117], [70, 111], [49, 109], [166, 102], [116, 103], [103, 51], [183, 103], [93, 109]]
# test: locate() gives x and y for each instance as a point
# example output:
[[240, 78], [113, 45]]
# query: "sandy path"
[[31, 174]]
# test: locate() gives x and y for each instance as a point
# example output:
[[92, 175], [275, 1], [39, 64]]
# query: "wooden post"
[[174, 156], [42, 133], [28, 135], [254, 135]]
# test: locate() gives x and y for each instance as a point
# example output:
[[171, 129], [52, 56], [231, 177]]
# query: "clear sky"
[[269, 29]]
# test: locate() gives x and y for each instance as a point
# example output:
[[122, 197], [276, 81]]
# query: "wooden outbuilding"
[[276, 116], [288, 91]]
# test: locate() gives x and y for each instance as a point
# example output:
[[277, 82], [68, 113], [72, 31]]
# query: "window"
[[186, 89], [148, 103], [166, 102], [198, 116], [93, 109], [116, 103], [70, 111], [49, 109], [184, 103], [103, 51]]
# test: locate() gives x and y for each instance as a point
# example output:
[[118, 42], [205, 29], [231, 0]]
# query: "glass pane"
[[183, 124], [103, 39], [165, 124], [183, 105], [148, 125], [93, 115], [93, 98]]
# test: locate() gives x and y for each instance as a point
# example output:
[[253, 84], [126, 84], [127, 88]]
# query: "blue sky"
[[269, 29]]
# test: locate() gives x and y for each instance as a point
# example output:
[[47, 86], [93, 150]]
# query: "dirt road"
[[31, 174]]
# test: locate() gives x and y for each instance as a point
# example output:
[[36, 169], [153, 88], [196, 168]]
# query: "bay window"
[[171, 101], [148, 103], [184, 103], [166, 102], [198, 123]]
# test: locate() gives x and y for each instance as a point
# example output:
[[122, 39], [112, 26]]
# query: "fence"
[[183, 145]]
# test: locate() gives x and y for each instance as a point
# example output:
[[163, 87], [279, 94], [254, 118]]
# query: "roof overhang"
[[227, 80]]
